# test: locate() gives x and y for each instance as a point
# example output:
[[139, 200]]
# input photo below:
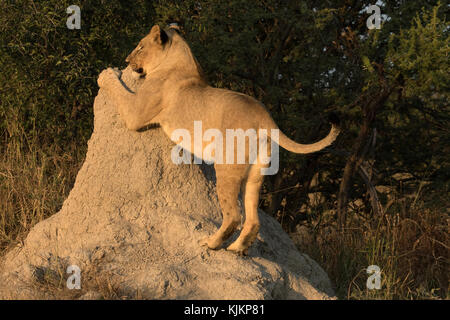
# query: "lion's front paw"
[[118, 72], [106, 76]]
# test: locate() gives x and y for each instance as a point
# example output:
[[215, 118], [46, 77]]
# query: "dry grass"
[[34, 181], [409, 243]]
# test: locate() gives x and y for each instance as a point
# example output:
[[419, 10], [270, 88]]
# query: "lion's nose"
[[127, 60]]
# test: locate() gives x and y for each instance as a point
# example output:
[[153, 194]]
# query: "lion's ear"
[[158, 35]]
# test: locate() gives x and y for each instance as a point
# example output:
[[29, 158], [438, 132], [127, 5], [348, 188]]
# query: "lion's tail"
[[295, 147]]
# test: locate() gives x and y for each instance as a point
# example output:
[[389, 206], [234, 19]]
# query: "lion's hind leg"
[[229, 179], [251, 198]]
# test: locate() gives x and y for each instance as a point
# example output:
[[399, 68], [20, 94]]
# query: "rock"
[[136, 218]]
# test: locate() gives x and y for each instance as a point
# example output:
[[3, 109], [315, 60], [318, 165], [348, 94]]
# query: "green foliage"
[[420, 54], [418, 113], [49, 72]]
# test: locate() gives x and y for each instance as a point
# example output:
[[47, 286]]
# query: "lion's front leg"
[[135, 111], [124, 99]]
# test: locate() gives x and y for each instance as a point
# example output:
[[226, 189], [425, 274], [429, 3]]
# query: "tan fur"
[[175, 94]]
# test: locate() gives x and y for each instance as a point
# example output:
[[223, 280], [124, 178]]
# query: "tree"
[[49, 72]]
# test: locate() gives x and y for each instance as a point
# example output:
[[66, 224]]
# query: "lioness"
[[174, 94]]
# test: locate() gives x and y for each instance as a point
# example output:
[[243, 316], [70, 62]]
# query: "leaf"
[[366, 63]]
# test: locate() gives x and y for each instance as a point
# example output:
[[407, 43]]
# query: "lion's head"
[[164, 49], [149, 53]]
